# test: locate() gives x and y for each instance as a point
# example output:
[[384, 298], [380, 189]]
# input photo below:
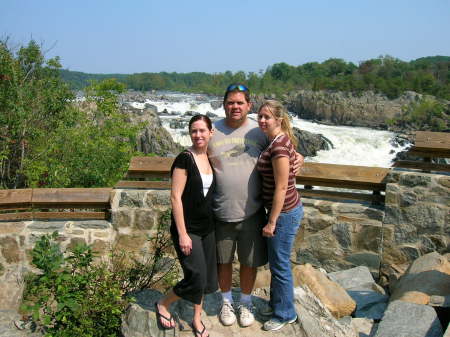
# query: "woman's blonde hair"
[[279, 111]]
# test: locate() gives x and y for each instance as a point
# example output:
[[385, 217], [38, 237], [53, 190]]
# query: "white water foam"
[[352, 145]]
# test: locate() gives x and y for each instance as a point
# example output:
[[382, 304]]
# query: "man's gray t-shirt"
[[233, 153]]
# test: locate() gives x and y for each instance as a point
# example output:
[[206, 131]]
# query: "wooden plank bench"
[[55, 203], [312, 174], [428, 145]]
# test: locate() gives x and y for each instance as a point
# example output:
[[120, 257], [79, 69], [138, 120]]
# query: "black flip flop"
[[198, 333], [168, 319]]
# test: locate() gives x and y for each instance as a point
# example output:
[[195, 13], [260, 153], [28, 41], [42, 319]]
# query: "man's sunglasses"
[[239, 87]]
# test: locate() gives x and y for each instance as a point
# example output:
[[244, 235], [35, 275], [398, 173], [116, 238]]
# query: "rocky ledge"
[[346, 303], [367, 109], [153, 138]]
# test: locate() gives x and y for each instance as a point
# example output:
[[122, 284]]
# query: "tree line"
[[385, 74]]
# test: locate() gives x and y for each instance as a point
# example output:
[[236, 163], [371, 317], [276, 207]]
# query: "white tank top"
[[207, 181]]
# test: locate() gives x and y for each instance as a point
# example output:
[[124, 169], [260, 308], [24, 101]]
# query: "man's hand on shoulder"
[[298, 163]]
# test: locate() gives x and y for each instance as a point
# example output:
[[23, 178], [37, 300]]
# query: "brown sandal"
[[160, 317]]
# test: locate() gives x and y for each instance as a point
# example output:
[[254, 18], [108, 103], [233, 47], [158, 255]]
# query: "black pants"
[[199, 267]]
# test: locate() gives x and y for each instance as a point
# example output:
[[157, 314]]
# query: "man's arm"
[[298, 162]]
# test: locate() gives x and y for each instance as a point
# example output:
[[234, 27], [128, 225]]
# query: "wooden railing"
[[350, 177], [428, 145], [94, 203], [55, 203]]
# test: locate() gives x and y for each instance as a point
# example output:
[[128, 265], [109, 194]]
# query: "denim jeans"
[[279, 249]]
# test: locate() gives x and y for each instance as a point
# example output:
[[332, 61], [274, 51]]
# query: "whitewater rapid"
[[352, 145]]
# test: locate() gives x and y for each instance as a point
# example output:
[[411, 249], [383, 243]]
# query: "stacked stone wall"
[[334, 235], [340, 235], [417, 217], [134, 214]]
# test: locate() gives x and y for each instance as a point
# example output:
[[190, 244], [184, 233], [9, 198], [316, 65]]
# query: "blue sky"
[[113, 36]]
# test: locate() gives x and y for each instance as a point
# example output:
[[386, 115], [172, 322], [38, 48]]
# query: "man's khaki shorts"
[[246, 237]]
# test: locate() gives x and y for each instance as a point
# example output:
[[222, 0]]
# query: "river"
[[352, 145]]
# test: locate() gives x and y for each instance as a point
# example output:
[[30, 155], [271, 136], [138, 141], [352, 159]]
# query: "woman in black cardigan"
[[192, 226]]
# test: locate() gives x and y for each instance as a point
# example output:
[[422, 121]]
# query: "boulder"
[[211, 114], [331, 294], [364, 327], [309, 143], [315, 319], [403, 319], [12, 285], [427, 276], [352, 277], [371, 300], [216, 104], [370, 303], [153, 138]]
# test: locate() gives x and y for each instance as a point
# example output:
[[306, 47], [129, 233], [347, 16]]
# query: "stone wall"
[[334, 235], [417, 217], [134, 214], [414, 221], [340, 235]]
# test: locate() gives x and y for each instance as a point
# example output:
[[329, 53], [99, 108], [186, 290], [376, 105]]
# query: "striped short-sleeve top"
[[281, 146]]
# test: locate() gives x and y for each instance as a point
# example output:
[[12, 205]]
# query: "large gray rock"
[[153, 138], [364, 327], [428, 275], [315, 319], [353, 277], [403, 319], [11, 288], [309, 143], [371, 301]]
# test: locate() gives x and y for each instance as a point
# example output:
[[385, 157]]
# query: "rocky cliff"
[[344, 108]]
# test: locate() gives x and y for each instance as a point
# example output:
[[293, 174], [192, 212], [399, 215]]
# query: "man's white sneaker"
[[246, 317], [227, 315]]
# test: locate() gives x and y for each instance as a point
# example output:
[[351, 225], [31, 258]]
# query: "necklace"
[[276, 137]]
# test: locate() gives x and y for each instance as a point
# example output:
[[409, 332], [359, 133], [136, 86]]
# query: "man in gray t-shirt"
[[233, 151], [238, 207]]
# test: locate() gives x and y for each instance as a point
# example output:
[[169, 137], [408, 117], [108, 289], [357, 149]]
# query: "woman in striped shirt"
[[285, 210]]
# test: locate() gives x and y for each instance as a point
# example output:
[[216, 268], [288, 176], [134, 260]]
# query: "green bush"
[[73, 296], [425, 114], [93, 151], [48, 141]]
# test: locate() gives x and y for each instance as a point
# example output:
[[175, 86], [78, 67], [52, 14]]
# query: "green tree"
[[93, 151], [33, 102], [425, 114]]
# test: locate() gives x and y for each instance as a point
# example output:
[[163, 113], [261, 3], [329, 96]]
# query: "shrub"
[[73, 296]]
